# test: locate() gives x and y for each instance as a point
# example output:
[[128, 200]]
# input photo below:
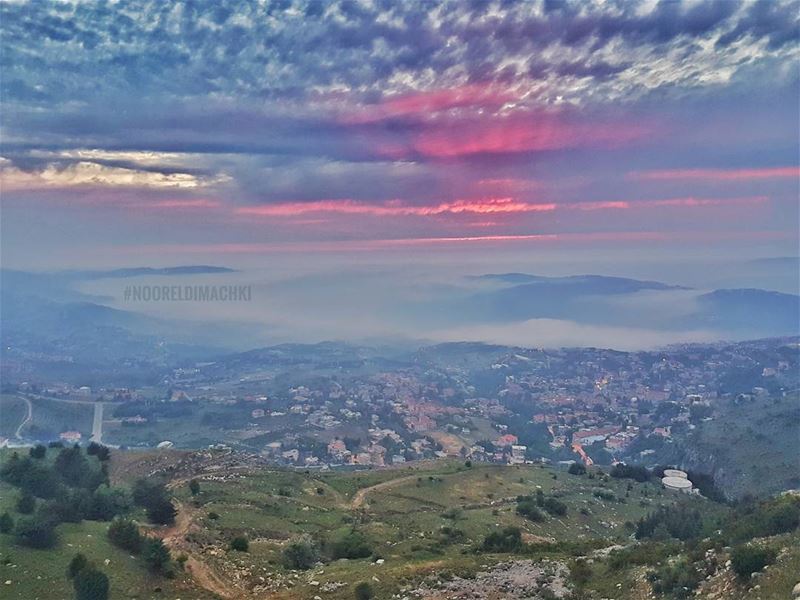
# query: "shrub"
[[363, 591], [124, 534], [580, 572], [527, 507], [90, 584], [352, 545], [240, 544], [577, 468], [555, 507], [36, 532], [38, 451], [301, 553], [77, 564], [6, 523], [508, 539], [676, 580], [635, 472], [194, 487], [156, 556], [749, 559], [26, 503], [670, 522]]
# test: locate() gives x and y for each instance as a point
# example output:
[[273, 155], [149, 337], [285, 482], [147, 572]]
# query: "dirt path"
[[361, 495], [26, 420], [202, 574]]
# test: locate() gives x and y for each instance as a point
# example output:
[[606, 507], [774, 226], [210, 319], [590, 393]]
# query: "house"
[[70, 436], [517, 454], [258, 413]]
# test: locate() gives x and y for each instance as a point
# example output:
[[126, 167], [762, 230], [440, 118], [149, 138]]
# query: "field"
[[401, 512], [12, 413]]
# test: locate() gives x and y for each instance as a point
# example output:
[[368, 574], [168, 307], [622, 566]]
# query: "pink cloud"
[[514, 135], [499, 206], [428, 103], [718, 174], [396, 208]]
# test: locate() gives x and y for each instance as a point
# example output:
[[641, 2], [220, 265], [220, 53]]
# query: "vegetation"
[[124, 534], [156, 500], [240, 544], [749, 558], [301, 553], [363, 591]]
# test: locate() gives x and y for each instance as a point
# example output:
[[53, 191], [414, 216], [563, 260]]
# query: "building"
[[517, 454], [70, 436]]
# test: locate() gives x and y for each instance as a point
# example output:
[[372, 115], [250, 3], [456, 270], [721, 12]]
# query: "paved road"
[[97, 423]]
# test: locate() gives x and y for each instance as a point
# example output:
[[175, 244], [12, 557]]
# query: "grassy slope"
[[12, 412]]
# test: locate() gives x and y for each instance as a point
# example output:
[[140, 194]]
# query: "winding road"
[[26, 420]]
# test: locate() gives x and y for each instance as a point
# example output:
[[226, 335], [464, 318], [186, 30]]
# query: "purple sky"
[[226, 132]]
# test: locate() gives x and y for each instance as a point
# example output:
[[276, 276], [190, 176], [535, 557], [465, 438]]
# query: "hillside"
[[426, 531]]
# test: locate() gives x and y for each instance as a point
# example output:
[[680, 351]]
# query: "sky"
[[470, 135]]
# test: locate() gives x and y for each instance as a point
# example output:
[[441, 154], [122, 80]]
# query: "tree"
[[6, 523], [156, 556], [577, 468], [124, 534], [26, 503], [240, 544], [38, 451], [194, 487], [351, 545], [363, 591], [36, 532], [90, 584], [555, 507], [301, 553], [162, 511], [508, 539], [526, 507], [76, 565]]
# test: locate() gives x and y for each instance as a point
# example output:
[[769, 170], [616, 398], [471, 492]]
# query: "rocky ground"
[[513, 580]]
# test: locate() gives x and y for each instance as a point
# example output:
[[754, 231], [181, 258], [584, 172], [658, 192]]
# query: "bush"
[[156, 556], [352, 545], [156, 500], [301, 553], [36, 532], [38, 451], [749, 559], [124, 534], [90, 584], [635, 472], [577, 468], [527, 507], [508, 539], [194, 487], [240, 544], [26, 503], [77, 564], [6, 523], [677, 581], [555, 507], [670, 522], [363, 591], [580, 572]]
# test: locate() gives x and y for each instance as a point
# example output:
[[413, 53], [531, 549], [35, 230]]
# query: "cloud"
[[719, 174], [90, 174]]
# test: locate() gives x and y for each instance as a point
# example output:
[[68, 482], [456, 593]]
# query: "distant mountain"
[[146, 271], [770, 313], [592, 284]]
